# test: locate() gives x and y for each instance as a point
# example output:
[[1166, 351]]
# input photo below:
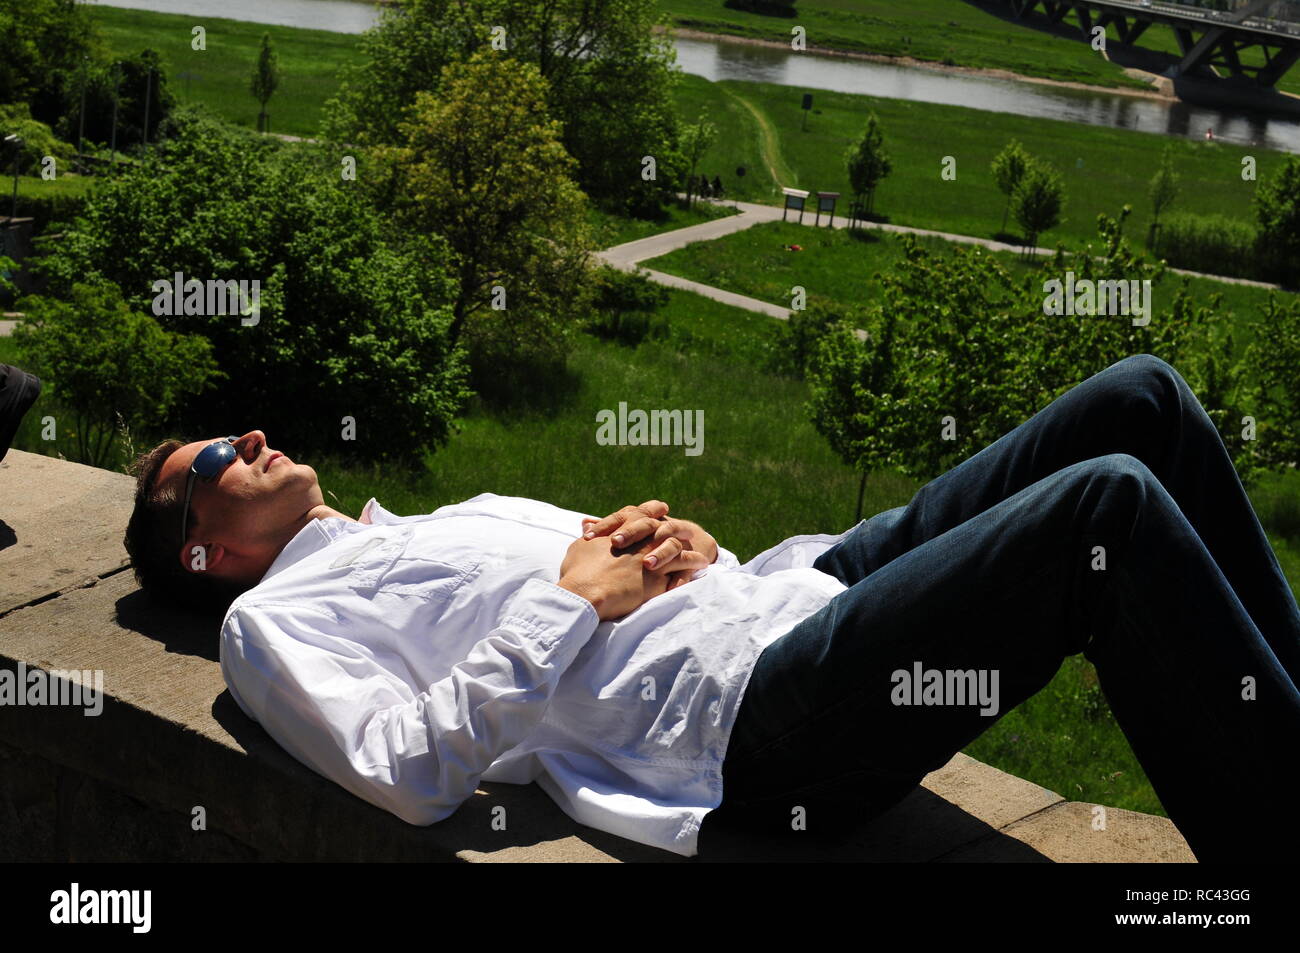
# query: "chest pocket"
[[386, 563]]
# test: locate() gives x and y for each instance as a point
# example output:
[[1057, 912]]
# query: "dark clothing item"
[[996, 566], [18, 391]]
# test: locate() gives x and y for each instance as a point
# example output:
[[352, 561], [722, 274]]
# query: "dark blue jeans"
[[995, 566]]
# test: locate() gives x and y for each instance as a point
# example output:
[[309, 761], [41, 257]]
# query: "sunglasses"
[[209, 463]]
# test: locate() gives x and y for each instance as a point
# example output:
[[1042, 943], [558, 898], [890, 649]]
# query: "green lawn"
[[1102, 168], [310, 61]]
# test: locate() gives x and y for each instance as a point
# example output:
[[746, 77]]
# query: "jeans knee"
[[1123, 471], [1151, 374]]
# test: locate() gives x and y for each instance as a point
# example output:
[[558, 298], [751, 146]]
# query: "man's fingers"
[[635, 530], [610, 522], [652, 510], [674, 555], [667, 528], [688, 562]]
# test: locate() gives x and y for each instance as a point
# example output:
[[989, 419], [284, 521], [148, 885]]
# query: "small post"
[[117, 80], [17, 144], [81, 124], [794, 199], [148, 94]]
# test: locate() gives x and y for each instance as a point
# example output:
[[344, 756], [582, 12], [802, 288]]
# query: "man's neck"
[[321, 511]]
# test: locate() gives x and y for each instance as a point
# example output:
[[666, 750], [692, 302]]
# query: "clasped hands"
[[633, 555]]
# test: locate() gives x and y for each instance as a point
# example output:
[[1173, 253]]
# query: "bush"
[[109, 365], [1214, 244], [799, 337], [1277, 208], [623, 306], [132, 77], [349, 313], [770, 8], [39, 141], [617, 290], [629, 327]]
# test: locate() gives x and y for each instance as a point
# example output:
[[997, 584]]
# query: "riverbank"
[[977, 35], [1160, 87]]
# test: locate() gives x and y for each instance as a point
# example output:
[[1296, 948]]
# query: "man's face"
[[245, 516]]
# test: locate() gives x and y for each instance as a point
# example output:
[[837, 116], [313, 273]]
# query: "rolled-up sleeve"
[[726, 558], [305, 677]]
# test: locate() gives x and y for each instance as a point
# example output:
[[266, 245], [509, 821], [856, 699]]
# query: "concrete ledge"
[[123, 785]]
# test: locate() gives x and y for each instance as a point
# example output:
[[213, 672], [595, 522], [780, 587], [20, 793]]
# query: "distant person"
[[409, 658], [717, 186], [18, 391], [1209, 134]]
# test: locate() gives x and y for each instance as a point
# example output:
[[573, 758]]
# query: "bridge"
[[1212, 34]]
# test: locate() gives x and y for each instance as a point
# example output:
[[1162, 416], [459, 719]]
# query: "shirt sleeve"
[[726, 558], [298, 672]]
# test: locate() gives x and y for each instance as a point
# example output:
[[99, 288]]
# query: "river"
[[723, 60]]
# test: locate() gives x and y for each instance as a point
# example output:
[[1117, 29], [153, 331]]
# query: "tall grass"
[[1210, 243]]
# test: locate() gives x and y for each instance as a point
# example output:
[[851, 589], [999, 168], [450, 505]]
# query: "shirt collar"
[[316, 535]]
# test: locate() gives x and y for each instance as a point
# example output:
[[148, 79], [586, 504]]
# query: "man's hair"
[[153, 540]]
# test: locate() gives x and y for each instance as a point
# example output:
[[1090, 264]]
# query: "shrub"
[[1214, 244], [799, 337], [107, 363], [1277, 208], [349, 313], [39, 141], [623, 306]]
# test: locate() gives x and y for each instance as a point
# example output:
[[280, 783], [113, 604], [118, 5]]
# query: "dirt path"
[[769, 141]]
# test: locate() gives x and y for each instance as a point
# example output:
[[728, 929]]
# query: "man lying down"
[[645, 679]]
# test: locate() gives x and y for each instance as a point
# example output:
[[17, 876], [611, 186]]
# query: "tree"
[[868, 162], [696, 139], [1277, 209], [351, 312], [1274, 354], [106, 363], [42, 43], [1163, 190], [485, 168], [610, 81], [960, 351], [134, 80], [1037, 201], [265, 81], [1008, 168], [851, 383]]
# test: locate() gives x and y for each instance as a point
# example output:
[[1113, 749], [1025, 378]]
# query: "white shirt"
[[408, 658]]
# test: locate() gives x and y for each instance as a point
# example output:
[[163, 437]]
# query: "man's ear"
[[202, 557]]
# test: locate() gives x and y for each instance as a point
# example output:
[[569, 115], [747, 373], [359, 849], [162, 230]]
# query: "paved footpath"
[[627, 256]]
